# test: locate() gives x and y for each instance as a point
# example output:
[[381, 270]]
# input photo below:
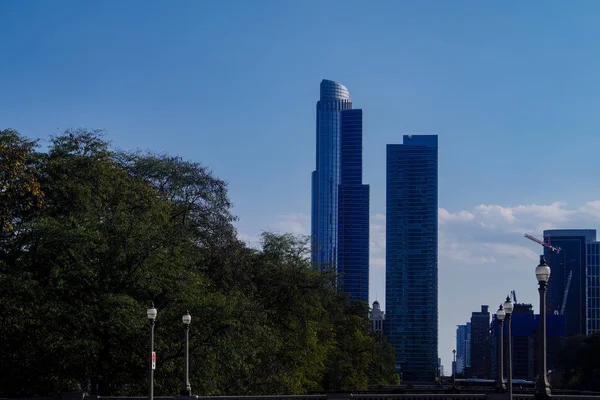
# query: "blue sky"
[[511, 88]]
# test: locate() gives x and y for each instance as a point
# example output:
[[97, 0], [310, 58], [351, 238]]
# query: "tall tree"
[[115, 230]]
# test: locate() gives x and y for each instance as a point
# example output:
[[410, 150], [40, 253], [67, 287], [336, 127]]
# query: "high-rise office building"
[[568, 289], [592, 287], [412, 255], [353, 212], [461, 349], [334, 98], [340, 202], [480, 343], [468, 351]]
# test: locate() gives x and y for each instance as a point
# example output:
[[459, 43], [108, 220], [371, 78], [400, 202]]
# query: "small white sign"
[[153, 360]]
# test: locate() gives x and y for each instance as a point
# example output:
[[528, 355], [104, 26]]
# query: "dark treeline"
[[578, 364], [88, 235]]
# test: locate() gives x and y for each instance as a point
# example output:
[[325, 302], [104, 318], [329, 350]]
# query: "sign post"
[[153, 360]]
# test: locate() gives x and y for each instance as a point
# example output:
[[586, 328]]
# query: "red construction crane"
[[546, 245]]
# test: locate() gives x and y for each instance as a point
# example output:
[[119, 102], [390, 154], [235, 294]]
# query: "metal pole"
[[542, 387], [509, 366], [186, 390], [151, 393], [500, 354], [454, 369]]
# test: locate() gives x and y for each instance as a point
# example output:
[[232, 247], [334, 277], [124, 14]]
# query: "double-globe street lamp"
[[542, 387], [186, 389], [500, 314], [151, 312], [508, 309]]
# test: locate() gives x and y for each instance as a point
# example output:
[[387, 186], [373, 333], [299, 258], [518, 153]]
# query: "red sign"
[[153, 360]]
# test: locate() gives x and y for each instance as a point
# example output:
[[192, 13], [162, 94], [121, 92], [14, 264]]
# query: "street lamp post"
[[186, 389], [500, 386], [151, 312], [454, 368], [542, 387], [508, 309]]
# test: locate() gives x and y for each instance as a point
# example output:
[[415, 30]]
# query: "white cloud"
[[445, 216], [252, 241], [377, 241], [296, 223], [485, 234], [494, 233]]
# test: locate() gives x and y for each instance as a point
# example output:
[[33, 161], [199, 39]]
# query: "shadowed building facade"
[[412, 255], [574, 293], [480, 343], [353, 212]]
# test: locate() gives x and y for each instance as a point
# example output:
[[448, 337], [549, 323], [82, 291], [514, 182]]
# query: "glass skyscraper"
[[340, 202], [353, 212], [326, 178], [579, 257], [412, 255], [571, 260], [592, 310]]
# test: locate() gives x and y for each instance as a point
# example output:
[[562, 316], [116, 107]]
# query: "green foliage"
[[579, 364], [19, 188], [90, 235]]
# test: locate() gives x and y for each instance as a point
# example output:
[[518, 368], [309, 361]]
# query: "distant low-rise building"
[[524, 331], [377, 316]]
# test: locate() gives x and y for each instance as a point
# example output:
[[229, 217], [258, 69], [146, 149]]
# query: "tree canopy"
[[579, 363], [88, 235]]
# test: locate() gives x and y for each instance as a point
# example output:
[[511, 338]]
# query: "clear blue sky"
[[512, 88]]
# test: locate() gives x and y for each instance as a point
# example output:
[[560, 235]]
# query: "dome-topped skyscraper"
[[340, 202]]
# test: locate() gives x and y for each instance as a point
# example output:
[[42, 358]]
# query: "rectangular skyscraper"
[[353, 212], [412, 255], [575, 278], [480, 343], [570, 261], [592, 309], [461, 349]]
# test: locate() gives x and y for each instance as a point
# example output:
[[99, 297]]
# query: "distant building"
[[376, 317], [468, 351], [574, 286], [412, 254], [480, 344], [524, 332], [461, 349]]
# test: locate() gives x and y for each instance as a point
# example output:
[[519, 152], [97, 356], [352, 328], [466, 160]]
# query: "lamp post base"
[[501, 388], [542, 396], [186, 392]]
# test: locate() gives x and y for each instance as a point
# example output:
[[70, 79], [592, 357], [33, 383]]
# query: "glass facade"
[[592, 311], [326, 178], [412, 255], [340, 202], [571, 260], [353, 212], [461, 349]]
